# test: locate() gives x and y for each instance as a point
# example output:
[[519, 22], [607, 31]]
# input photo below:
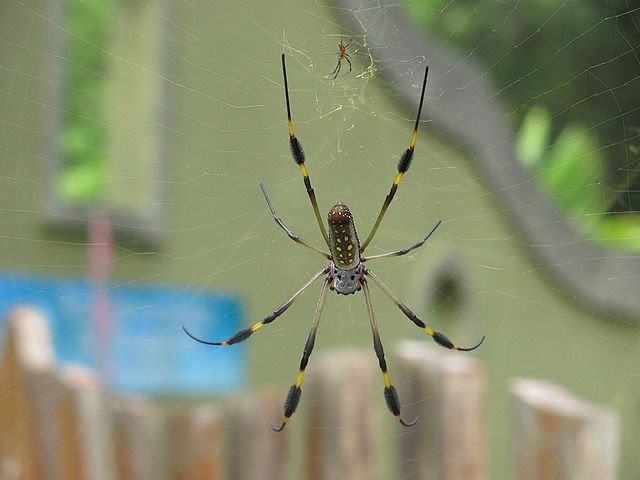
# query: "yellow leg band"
[[257, 326], [414, 138], [303, 170], [291, 129], [398, 179], [430, 331], [299, 378], [387, 380]]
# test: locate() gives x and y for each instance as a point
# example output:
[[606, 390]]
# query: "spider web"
[[220, 129]]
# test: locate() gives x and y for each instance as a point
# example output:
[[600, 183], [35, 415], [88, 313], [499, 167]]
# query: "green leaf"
[[533, 137], [621, 231], [573, 172], [81, 182]]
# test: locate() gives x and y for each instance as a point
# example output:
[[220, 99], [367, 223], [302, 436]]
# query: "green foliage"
[[533, 137], [572, 172], [621, 231], [83, 133], [575, 63]]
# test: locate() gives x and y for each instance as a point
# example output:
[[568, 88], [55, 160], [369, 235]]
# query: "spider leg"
[[336, 70], [404, 251], [291, 235], [390, 392], [346, 57], [298, 157], [247, 332], [293, 397], [403, 166], [438, 337]]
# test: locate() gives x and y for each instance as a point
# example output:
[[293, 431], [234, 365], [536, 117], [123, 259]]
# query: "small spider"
[[342, 54], [346, 272]]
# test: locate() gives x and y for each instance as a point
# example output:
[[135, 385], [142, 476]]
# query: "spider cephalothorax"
[[346, 281], [345, 273]]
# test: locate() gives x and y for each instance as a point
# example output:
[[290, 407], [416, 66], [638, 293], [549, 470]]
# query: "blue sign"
[[132, 335]]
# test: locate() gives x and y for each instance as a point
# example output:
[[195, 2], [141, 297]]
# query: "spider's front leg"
[[403, 166], [298, 156]]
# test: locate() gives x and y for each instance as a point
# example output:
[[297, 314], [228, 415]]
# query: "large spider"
[[346, 272]]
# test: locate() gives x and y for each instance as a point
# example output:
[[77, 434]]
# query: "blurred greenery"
[[570, 74], [571, 169], [83, 136]]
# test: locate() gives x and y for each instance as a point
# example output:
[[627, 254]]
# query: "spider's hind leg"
[[295, 391], [390, 392], [438, 337], [336, 70]]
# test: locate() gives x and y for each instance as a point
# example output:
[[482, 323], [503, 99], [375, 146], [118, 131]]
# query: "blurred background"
[[133, 137]]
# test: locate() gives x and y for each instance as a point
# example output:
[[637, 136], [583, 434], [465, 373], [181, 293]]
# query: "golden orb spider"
[[345, 272]]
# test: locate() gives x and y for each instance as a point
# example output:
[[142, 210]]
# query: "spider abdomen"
[[345, 250], [343, 239]]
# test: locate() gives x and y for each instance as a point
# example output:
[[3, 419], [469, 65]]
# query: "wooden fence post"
[[193, 444], [257, 452], [447, 391], [137, 436], [556, 435], [27, 357], [84, 447], [343, 395]]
